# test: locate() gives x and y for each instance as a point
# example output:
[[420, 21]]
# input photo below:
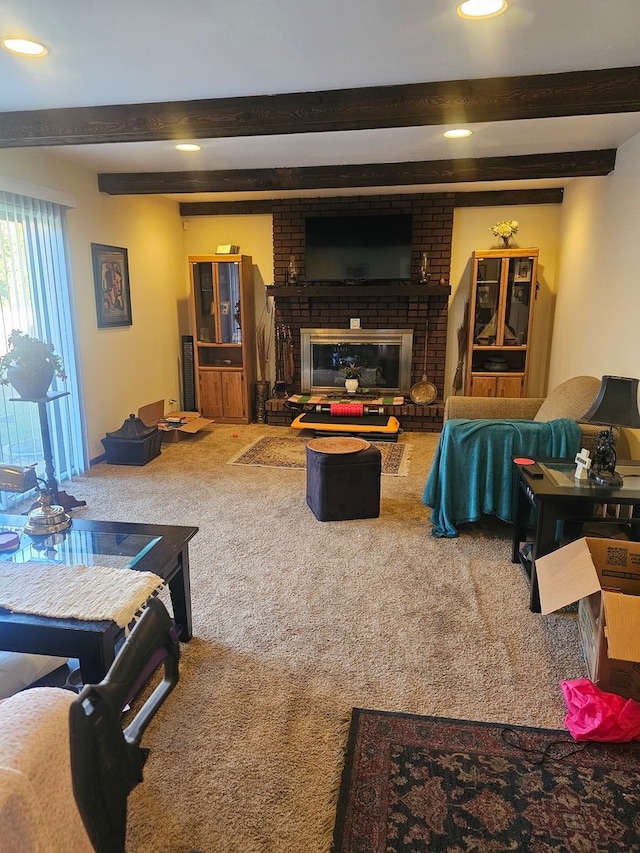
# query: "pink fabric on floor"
[[594, 714]]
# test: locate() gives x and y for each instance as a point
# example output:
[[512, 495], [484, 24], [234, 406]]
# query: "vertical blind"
[[36, 298]]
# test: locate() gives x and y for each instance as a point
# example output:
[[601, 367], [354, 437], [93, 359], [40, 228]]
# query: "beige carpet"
[[286, 451], [297, 621]]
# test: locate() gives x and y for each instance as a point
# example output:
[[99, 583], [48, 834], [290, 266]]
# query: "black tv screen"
[[358, 248]]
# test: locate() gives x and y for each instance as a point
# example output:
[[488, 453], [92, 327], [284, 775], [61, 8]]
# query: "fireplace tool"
[[424, 392], [284, 360]]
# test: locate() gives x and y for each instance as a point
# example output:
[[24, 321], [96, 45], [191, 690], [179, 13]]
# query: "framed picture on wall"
[[111, 282]]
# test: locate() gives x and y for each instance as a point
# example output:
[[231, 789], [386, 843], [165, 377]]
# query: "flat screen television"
[[358, 248]]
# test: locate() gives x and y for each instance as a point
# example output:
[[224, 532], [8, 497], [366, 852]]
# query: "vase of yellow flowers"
[[505, 229]]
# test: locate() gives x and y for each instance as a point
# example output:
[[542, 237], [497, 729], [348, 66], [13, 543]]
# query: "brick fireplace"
[[421, 307]]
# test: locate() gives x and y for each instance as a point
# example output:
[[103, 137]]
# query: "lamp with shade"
[[615, 405]]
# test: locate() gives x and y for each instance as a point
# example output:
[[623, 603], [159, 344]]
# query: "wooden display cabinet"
[[502, 299], [222, 314]]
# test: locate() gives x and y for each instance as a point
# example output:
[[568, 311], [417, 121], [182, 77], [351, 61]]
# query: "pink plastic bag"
[[596, 715]]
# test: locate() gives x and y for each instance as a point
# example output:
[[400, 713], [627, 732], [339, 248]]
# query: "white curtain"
[[36, 297]]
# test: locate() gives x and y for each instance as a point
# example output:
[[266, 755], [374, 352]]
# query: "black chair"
[[107, 761]]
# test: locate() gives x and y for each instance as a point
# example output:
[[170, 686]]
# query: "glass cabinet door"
[[217, 302], [485, 328], [229, 293], [518, 300], [204, 302], [502, 300]]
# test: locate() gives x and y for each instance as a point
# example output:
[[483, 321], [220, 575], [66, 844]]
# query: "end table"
[[539, 504]]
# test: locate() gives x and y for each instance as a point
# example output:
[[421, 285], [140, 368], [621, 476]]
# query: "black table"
[[162, 549], [557, 496]]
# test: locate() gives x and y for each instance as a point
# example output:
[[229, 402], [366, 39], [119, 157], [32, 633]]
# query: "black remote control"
[[534, 471]]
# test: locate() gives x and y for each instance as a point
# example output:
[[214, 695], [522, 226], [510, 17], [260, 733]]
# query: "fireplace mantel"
[[311, 290]]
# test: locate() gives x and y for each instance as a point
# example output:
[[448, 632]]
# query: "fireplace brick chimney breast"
[[382, 306]]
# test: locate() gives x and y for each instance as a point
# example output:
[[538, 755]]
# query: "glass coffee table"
[[540, 503], [162, 549]]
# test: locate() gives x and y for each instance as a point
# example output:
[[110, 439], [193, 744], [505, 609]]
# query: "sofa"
[[571, 399], [472, 471]]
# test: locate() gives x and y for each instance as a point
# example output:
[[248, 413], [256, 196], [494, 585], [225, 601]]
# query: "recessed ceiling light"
[[24, 47], [457, 133], [482, 8], [188, 146]]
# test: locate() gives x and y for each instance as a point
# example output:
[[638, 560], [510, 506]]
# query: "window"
[[36, 298]]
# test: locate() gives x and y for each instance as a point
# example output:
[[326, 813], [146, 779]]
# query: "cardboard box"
[[172, 431], [603, 576]]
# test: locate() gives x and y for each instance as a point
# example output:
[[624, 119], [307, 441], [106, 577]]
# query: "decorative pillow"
[[571, 399]]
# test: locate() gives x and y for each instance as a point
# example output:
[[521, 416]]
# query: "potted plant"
[[30, 365], [352, 374]]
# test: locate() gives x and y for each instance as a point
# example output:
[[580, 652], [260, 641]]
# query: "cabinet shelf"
[[497, 373], [220, 366], [214, 345], [493, 348]]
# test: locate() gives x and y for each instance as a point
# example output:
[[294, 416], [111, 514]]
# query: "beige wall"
[[598, 305], [203, 234], [121, 368], [588, 300], [539, 227], [254, 236]]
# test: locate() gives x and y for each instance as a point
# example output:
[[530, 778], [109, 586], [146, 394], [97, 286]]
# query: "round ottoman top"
[[336, 444]]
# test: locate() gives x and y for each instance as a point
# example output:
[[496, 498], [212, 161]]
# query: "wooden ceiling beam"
[[525, 167], [602, 91], [477, 198], [490, 198]]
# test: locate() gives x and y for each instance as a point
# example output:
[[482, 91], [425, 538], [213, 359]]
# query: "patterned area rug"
[[414, 784], [290, 452]]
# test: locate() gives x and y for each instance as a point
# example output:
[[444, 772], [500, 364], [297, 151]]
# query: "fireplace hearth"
[[403, 308]]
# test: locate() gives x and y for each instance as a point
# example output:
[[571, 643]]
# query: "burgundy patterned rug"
[[415, 784]]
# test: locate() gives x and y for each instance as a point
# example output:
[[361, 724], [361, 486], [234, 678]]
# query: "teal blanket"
[[471, 475]]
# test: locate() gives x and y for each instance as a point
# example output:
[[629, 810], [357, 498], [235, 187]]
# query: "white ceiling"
[[142, 51]]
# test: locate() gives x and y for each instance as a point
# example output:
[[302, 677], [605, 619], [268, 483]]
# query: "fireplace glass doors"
[[383, 356]]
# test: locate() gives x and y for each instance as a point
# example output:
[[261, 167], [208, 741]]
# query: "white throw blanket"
[[38, 812], [76, 592]]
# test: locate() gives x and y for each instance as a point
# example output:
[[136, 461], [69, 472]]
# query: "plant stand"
[[59, 498]]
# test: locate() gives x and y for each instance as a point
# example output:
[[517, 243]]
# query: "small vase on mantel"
[[292, 271], [351, 385]]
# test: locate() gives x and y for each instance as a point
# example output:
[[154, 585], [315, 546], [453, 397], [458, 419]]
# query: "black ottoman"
[[343, 478]]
